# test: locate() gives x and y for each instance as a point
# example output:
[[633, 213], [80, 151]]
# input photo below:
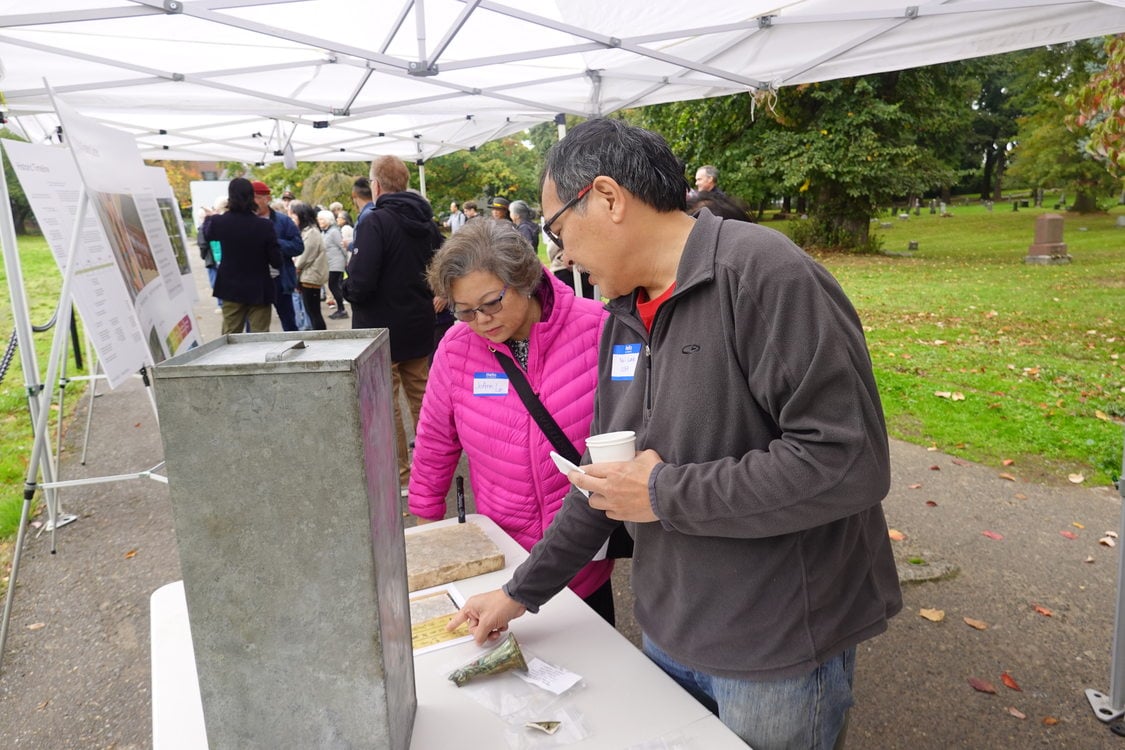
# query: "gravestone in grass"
[[1048, 247]]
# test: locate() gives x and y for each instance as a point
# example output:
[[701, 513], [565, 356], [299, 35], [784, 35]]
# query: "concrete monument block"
[[1048, 247], [284, 485]]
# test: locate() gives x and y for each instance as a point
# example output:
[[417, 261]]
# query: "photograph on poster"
[[119, 216], [170, 215]]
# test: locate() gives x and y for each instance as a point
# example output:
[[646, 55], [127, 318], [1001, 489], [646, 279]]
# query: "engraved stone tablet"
[[449, 553]]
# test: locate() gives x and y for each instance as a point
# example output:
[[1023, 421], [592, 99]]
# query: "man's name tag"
[[490, 384], [625, 358]]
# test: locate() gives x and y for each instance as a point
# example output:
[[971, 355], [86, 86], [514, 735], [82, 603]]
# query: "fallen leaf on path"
[[1020, 496], [1007, 462], [957, 396], [915, 486], [1006, 475], [1077, 525], [933, 615], [1010, 682], [916, 560], [935, 467], [37, 626], [1111, 534], [1089, 558], [959, 461], [1076, 478], [975, 624], [1069, 534], [896, 535], [1016, 712], [983, 686], [42, 705], [130, 554], [1044, 611], [1049, 721], [931, 504], [1107, 541], [993, 535], [943, 394], [1102, 415]]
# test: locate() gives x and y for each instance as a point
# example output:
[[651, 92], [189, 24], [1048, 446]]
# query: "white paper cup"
[[612, 446]]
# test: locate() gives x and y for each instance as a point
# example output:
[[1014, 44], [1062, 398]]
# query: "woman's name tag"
[[490, 384]]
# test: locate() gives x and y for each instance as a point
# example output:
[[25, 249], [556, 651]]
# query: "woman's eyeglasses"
[[491, 307], [569, 204]]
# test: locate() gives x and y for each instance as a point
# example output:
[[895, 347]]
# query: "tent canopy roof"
[[242, 80]]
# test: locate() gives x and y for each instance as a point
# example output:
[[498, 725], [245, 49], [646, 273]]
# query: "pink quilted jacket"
[[513, 479]]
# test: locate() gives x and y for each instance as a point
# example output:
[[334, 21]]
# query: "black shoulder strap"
[[539, 412]]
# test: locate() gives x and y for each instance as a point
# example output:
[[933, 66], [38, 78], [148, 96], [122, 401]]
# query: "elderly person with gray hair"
[[512, 308], [528, 229], [337, 259]]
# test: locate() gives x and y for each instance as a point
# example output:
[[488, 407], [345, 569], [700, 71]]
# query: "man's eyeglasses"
[[491, 307], [569, 204]]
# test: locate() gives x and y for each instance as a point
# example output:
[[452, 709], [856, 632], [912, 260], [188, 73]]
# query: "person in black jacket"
[[249, 250], [394, 243]]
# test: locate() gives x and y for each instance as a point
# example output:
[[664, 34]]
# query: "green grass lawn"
[[1038, 352]]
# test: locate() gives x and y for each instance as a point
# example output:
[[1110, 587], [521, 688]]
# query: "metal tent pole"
[[1112, 707]]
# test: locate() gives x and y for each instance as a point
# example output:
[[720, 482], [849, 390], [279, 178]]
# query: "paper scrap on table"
[[549, 677]]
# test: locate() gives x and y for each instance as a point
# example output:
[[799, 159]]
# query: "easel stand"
[[38, 396]]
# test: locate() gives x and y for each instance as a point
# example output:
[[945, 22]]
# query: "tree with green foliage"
[[17, 200], [845, 147], [1047, 154], [506, 167]]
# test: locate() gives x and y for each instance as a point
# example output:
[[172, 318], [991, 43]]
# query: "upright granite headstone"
[[291, 542], [1048, 248]]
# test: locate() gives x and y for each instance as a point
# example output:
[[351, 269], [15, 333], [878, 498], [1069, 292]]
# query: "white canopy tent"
[[263, 81], [247, 80]]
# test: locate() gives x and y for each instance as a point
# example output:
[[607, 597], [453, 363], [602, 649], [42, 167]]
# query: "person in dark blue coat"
[[290, 244], [249, 251]]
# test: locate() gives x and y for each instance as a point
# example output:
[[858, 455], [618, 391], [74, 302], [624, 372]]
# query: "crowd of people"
[[754, 500]]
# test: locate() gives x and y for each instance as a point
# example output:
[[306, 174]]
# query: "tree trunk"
[[998, 178], [986, 178], [1085, 202]]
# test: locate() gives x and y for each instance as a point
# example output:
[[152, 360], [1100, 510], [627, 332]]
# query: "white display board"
[[133, 229], [51, 182]]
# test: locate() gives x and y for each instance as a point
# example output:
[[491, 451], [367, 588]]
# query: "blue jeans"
[[212, 272], [799, 713]]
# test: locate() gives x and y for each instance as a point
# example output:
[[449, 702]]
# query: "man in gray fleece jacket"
[[762, 556]]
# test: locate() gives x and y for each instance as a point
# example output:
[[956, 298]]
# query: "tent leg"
[[1112, 707]]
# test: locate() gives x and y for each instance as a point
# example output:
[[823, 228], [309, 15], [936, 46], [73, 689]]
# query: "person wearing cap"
[[394, 242], [520, 214], [289, 239], [499, 207]]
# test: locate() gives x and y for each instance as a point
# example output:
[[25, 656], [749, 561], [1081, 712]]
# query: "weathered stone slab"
[[449, 553]]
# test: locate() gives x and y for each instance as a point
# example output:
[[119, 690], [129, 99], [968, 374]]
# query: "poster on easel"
[[51, 182], [122, 193]]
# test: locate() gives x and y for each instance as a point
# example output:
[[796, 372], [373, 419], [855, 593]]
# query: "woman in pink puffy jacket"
[[512, 305]]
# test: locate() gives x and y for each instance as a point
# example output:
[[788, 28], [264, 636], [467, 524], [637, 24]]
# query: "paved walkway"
[[76, 670]]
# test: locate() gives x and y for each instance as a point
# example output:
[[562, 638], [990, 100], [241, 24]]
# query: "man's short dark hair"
[[362, 187], [639, 160], [470, 206]]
